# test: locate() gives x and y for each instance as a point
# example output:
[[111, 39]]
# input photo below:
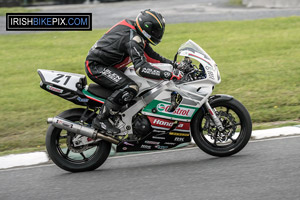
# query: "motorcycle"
[[164, 115]]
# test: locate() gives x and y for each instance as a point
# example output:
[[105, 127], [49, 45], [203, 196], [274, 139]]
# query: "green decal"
[[91, 96], [161, 107], [182, 112]]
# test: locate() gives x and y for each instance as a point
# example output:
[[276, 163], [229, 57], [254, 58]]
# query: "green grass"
[[258, 60], [3, 11], [236, 2], [277, 124]]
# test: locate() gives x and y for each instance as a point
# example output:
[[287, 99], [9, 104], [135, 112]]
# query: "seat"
[[99, 91]]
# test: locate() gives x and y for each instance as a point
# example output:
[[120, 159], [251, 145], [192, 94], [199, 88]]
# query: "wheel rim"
[[76, 155], [233, 133]]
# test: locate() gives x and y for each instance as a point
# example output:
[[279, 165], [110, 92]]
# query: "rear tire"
[[233, 139], [64, 158]]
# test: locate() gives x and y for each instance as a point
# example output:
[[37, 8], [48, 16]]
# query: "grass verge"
[[258, 60], [235, 2]]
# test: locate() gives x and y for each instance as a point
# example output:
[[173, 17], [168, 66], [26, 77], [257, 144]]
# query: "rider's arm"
[[135, 49], [154, 57]]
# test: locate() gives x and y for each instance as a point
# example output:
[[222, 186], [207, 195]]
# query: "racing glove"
[[175, 75]]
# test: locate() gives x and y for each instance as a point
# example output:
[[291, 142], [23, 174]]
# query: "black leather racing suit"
[[108, 58]]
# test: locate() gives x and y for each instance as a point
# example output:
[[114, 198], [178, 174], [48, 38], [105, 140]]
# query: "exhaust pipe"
[[79, 129]]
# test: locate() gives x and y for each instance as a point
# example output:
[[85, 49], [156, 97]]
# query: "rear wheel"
[[66, 152], [236, 121]]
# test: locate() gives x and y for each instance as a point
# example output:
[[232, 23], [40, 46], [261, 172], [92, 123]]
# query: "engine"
[[141, 126]]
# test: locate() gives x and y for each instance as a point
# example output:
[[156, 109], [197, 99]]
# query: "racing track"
[[264, 170]]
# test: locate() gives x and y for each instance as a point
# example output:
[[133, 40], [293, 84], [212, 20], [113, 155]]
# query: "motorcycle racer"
[[127, 41]]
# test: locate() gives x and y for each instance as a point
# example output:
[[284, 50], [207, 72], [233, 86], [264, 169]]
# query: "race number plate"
[[62, 79]]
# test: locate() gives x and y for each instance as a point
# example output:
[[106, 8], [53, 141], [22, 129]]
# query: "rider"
[[127, 41]]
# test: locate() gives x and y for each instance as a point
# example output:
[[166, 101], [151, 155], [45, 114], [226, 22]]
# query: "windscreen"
[[193, 47]]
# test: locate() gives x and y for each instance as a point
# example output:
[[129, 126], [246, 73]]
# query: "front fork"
[[214, 117]]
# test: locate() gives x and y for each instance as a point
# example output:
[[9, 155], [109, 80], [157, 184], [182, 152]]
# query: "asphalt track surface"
[[175, 11], [267, 169]]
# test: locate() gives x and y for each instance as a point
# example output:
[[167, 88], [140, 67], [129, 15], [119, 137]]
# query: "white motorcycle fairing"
[[220, 125]]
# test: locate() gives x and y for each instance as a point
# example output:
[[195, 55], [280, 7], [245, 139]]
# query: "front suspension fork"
[[214, 117]]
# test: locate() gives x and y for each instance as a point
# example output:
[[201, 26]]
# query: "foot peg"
[[104, 126]]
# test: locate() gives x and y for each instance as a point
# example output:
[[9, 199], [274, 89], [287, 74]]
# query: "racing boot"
[[102, 123]]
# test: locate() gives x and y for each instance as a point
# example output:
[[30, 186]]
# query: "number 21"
[[59, 77]]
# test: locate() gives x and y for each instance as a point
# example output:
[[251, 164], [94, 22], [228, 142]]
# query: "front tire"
[[65, 156], [236, 121]]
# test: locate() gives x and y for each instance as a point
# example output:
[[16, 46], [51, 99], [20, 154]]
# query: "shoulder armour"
[[138, 39]]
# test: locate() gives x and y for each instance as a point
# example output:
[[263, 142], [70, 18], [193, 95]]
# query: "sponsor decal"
[[151, 71], [54, 89], [85, 100], [161, 107], [179, 134], [146, 34], [170, 143], [67, 125], [167, 74], [145, 146], [180, 111], [128, 144], [179, 139], [124, 148], [165, 123], [113, 76], [151, 142], [159, 131], [59, 121], [158, 138], [64, 123], [161, 147]]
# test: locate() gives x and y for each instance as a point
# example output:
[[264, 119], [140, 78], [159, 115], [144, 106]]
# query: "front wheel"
[[62, 148], [236, 121]]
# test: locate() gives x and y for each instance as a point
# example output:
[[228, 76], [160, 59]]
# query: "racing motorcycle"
[[164, 114]]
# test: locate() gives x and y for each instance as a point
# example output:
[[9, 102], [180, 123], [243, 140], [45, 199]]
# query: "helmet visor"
[[157, 34]]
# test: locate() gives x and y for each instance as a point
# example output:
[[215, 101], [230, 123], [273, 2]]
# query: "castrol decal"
[[180, 111], [165, 123]]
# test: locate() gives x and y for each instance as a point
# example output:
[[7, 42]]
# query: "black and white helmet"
[[151, 25]]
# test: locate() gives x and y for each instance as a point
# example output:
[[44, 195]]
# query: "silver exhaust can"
[[70, 126]]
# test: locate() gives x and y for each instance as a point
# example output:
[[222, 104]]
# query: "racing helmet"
[[151, 25]]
